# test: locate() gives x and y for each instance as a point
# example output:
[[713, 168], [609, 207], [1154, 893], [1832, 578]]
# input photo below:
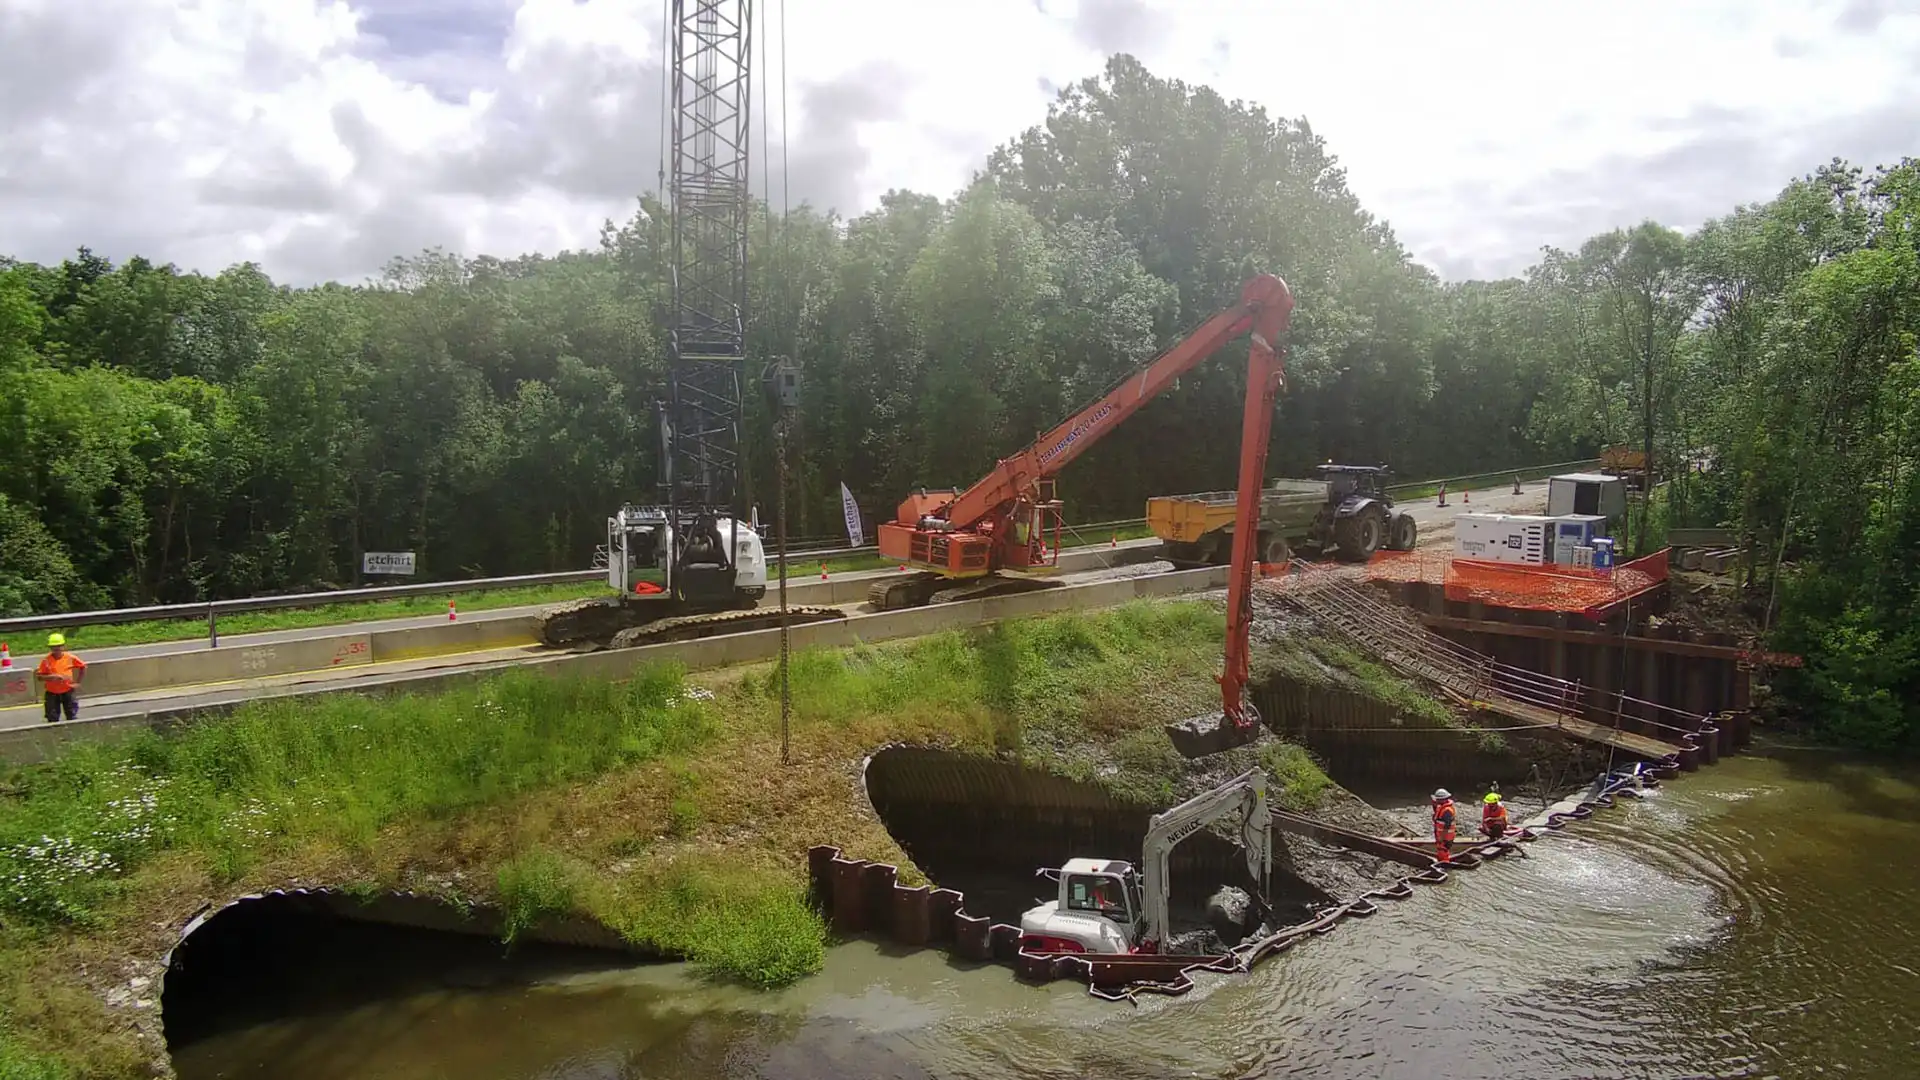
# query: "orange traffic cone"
[[1466, 498], [451, 615], [6, 657], [1443, 496], [823, 571]]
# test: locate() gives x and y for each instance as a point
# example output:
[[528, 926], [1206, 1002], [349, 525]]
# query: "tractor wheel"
[[1403, 534], [1361, 535], [1274, 550]]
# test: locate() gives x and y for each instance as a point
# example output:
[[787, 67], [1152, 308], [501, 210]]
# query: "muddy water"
[[1760, 918]]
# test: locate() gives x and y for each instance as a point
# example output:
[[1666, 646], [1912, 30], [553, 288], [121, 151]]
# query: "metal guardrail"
[[212, 610]]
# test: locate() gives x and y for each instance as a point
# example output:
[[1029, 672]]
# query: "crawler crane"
[[686, 565]]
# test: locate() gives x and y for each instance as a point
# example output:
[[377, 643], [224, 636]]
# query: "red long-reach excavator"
[[960, 541]]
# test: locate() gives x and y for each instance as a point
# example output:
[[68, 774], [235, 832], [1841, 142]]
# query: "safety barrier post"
[[213, 626]]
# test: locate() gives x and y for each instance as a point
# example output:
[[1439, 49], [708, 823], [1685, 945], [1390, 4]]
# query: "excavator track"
[[923, 589], [982, 588], [692, 627], [898, 593], [596, 618]]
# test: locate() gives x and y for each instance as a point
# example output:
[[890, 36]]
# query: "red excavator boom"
[[1238, 722], [1001, 521]]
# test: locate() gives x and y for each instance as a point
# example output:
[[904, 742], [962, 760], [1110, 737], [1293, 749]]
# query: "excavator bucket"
[[1212, 733]]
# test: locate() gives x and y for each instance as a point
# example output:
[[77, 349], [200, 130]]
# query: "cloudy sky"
[[320, 138]]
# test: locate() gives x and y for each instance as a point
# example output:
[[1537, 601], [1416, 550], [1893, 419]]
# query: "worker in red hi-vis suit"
[[1443, 824]]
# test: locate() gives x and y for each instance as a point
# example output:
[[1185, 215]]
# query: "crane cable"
[[666, 63]]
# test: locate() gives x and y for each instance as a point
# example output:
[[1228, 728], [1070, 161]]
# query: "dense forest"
[[170, 436]]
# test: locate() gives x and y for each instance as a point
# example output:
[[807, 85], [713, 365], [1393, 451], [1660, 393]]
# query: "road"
[[1436, 521]]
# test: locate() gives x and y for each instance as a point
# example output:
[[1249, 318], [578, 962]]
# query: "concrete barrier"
[[135, 673], [872, 629], [17, 686], [36, 743], [413, 643]]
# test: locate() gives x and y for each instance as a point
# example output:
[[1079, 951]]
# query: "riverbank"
[[658, 808]]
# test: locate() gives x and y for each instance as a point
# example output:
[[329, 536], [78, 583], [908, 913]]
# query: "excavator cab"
[[696, 559], [1100, 909]]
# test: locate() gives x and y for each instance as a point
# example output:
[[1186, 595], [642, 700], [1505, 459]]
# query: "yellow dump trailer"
[[1349, 511]]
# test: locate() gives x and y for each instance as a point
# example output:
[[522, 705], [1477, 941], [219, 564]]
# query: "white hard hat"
[[1440, 794]]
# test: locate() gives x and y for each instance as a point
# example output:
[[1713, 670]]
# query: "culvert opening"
[[985, 827], [284, 955]]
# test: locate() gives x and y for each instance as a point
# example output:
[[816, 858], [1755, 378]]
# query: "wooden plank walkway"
[[1645, 746], [1380, 846]]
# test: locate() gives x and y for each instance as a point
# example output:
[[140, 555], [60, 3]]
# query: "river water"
[[1759, 918]]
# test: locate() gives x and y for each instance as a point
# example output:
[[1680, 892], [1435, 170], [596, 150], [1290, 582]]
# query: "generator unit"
[[1513, 538]]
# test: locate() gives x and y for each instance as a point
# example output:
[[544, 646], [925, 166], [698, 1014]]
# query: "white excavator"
[[1107, 906]]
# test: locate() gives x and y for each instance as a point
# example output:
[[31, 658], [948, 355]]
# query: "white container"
[[1513, 538], [1586, 493], [1583, 558]]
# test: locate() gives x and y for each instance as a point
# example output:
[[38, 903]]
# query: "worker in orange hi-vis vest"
[[60, 672]]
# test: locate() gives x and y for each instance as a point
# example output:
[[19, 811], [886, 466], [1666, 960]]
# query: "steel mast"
[[710, 120]]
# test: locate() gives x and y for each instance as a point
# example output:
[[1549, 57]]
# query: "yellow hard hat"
[[1492, 797], [56, 639]]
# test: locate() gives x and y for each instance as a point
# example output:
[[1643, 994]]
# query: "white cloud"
[[321, 138]]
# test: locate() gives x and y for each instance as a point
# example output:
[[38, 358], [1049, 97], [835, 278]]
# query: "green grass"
[[532, 887], [730, 924], [1083, 695], [1302, 783], [333, 769], [1325, 661], [19, 1063]]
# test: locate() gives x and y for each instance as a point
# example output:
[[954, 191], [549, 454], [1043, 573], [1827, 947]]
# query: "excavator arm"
[[1243, 798], [1265, 371], [968, 532]]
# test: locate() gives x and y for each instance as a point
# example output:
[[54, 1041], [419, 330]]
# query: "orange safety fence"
[[1516, 585]]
